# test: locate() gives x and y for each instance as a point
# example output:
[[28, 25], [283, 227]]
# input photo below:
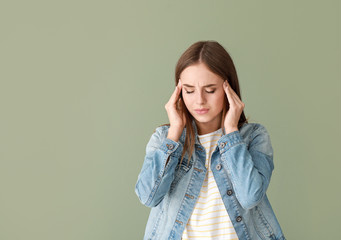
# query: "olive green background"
[[84, 84]]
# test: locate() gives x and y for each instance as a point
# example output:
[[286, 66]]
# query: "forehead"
[[199, 75]]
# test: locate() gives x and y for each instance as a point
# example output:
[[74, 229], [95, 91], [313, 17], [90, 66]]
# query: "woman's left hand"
[[236, 108]]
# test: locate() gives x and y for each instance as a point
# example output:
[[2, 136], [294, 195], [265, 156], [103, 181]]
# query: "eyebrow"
[[209, 85]]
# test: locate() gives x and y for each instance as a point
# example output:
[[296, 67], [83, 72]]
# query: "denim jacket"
[[242, 165]]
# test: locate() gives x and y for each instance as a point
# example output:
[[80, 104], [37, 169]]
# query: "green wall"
[[84, 84]]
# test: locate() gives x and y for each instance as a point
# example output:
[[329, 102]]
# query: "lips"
[[201, 111]]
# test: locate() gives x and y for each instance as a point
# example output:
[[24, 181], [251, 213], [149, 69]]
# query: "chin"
[[203, 119]]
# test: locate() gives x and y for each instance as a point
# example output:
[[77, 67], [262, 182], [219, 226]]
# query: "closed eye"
[[206, 91]]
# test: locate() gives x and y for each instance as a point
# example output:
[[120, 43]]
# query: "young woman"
[[205, 174]]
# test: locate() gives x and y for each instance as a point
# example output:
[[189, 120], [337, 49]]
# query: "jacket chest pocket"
[[180, 170]]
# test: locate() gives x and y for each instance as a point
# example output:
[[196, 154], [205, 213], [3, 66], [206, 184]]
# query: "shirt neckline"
[[211, 133]]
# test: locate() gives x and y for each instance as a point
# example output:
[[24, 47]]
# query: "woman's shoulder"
[[161, 131], [253, 128], [162, 128], [256, 136], [253, 125]]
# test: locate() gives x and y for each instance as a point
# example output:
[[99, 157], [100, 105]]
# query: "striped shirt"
[[209, 219]]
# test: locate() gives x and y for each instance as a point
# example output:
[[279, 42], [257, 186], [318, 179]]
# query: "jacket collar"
[[197, 142], [183, 135]]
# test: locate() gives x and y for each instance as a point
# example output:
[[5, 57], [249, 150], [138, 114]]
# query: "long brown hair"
[[217, 59]]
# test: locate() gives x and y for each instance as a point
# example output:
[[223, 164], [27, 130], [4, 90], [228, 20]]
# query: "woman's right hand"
[[176, 115]]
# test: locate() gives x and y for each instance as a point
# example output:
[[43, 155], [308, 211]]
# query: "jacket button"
[[199, 149], [190, 196], [239, 218], [179, 222], [218, 166], [222, 145], [170, 146], [229, 192]]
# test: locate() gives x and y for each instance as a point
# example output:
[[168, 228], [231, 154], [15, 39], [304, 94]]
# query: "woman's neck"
[[208, 127]]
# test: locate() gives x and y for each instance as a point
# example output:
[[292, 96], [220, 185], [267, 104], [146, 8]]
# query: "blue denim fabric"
[[242, 165]]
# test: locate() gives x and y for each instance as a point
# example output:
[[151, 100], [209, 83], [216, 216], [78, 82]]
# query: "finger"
[[239, 102], [237, 97], [234, 94], [229, 95], [174, 98]]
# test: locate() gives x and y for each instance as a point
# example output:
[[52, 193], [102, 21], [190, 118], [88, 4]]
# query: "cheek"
[[186, 100], [218, 103], [219, 99]]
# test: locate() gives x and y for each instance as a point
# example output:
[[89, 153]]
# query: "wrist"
[[230, 129], [174, 133]]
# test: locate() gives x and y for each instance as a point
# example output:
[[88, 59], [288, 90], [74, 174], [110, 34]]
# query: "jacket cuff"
[[229, 140], [171, 147]]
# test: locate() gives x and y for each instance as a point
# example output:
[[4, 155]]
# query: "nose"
[[200, 98]]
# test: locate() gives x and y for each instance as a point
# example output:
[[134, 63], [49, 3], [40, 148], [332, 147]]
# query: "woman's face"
[[203, 89]]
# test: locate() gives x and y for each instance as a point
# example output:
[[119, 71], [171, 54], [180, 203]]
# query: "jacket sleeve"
[[249, 169], [156, 176]]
